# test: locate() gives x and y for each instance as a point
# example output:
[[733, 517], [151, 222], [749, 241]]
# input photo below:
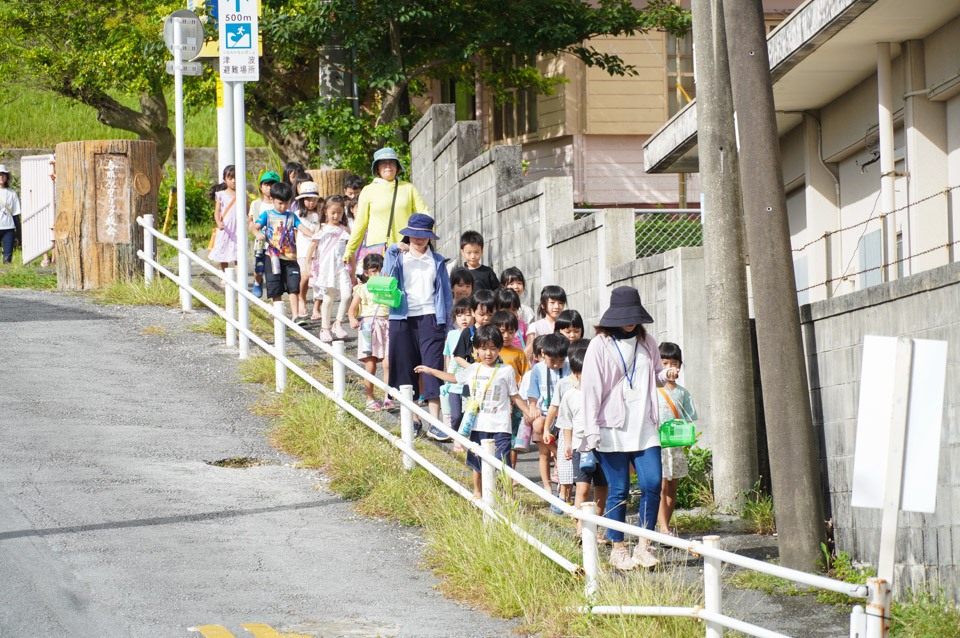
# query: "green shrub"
[[199, 206], [758, 511], [696, 489]]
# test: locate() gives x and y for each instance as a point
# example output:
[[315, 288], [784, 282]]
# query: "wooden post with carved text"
[[102, 187]]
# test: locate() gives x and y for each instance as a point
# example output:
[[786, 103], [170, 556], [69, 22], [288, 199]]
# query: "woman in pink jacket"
[[621, 372]]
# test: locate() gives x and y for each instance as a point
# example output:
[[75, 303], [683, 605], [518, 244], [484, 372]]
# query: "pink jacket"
[[603, 403]]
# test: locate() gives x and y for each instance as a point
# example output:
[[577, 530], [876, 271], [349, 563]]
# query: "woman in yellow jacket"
[[384, 207]]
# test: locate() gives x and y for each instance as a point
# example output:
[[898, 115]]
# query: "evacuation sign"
[[238, 41]]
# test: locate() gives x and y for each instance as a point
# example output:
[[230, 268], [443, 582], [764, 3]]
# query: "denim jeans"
[[616, 467]]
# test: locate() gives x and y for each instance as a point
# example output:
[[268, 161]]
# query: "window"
[[518, 116], [870, 249], [460, 95], [679, 72]]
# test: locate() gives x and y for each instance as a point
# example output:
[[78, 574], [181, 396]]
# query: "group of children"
[[513, 371]]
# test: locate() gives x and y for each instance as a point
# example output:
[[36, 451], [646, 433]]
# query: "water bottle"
[[470, 412], [588, 462]]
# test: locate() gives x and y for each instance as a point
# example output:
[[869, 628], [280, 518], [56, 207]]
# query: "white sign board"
[[922, 443], [238, 41]]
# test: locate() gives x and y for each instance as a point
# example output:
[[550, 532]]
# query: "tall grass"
[[135, 292], [44, 119]]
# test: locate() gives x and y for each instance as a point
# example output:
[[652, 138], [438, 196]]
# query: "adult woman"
[[9, 214], [384, 207], [418, 324], [621, 371]]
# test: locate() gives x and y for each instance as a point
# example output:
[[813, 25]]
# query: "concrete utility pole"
[[786, 398], [732, 407]]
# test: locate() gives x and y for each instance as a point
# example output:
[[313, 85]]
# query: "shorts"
[[564, 467], [674, 462], [501, 446], [597, 477], [373, 338], [287, 280]]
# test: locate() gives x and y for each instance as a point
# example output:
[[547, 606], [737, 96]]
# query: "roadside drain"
[[241, 462]]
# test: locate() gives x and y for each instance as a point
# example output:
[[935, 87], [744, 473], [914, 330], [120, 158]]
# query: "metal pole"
[[712, 587], [885, 131], [488, 474], [793, 448], [878, 608], [732, 406], [186, 268], [230, 306], [406, 424], [149, 248], [858, 622], [280, 343], [225, 147], [591, 558], [240, 165], [186, 301], [339, 370]]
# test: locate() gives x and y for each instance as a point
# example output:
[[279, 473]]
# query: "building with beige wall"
[[594, 125], [868, 101]]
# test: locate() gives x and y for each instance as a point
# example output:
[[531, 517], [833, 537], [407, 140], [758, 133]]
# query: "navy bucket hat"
[[419, 226], [625, 309]]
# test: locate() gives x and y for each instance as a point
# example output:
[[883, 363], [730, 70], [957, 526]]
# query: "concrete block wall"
[[922, 306]]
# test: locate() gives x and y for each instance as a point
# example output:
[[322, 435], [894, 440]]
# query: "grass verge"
[[695, 523], [17, 275], [135, 292], [483, 564]]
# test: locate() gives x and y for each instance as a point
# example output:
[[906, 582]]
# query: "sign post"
[[183, 34], [239, 63]]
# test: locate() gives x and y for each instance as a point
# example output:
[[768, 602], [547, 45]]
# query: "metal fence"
[[658, 230], [873, 623]]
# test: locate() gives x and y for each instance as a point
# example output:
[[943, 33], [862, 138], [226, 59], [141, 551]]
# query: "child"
[[495, 386], [482, 306], [569, 323], [352, 186], [461, 282], [309, 204], [372, 330], [543, 383], [262, 203], [329, 271], [450, 393], [509, 300], [471, 249], [279, 230], [513, 279], [675, 402], [418, 325], [553, 300], [516, 358], [571, 426], [224, 248]]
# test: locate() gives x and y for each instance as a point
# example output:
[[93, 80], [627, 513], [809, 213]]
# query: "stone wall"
[[922, 306]]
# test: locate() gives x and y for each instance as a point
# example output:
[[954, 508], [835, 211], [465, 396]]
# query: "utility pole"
[[786, 398], [732, 408]]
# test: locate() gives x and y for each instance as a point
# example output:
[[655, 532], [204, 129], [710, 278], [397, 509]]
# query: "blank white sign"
[[924, 420]]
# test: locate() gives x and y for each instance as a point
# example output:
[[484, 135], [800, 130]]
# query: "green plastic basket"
[[384, 291], [677, 433]]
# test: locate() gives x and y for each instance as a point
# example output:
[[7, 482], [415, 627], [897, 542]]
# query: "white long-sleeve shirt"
[[9, 208]]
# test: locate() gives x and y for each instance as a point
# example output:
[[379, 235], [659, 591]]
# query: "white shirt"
[[419, 281], [497, 388], [9, 208], [638, 432], [568, 414]]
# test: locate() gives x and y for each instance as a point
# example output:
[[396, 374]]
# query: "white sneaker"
[[644, 556], [620, 559]]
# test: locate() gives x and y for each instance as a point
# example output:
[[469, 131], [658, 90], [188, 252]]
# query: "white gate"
[[38, 204]]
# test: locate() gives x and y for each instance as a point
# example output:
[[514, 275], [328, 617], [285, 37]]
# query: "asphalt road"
[[113, 524]]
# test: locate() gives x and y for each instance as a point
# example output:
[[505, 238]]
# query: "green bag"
[[384, 290], [677, 433]]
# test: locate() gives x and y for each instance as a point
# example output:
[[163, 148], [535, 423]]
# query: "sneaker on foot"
[[257, 291], [556, 510], [339, 332], [434, 433], [644, 556], [300, 320], [325, 336], [620, 559]]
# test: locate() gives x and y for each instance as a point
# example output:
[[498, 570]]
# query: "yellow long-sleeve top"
[[373, 214]]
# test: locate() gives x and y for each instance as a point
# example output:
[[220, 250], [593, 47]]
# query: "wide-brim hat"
[[4, 169], [625, 309], [270, 176], [419, 226], [309, 189], [385, 154]]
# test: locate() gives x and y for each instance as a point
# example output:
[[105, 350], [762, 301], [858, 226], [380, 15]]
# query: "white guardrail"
[[872, 623]]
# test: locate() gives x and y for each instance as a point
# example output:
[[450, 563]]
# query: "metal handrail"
[[404, 398]]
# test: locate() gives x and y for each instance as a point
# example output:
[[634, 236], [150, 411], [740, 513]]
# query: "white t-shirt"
[[568, 414], [500, 384], [9, 208], [639, 432], [419, 280], [527, 315]]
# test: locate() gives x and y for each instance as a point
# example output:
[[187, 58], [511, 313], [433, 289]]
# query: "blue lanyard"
[[633, 373]]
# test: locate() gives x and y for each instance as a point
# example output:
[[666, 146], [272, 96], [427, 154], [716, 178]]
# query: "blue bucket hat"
[[385, 154], [419, 226]]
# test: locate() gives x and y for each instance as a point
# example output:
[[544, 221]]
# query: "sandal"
[[388, 404], [373, 406]]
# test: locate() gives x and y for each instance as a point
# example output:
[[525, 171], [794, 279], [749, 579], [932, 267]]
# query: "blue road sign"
[[238, 36]]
